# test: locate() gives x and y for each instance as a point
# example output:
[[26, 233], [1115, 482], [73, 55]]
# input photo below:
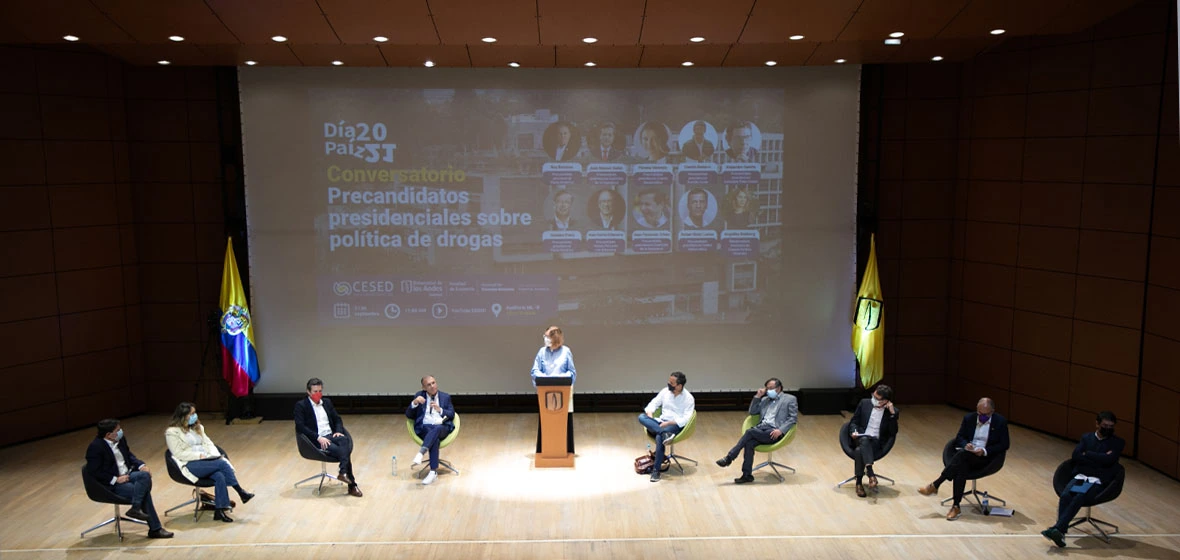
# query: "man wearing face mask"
[[555, 359], [874, 421], [1095, 461], [982, 438], [676, 407], [316, 418], [779, 412], [109, 460]]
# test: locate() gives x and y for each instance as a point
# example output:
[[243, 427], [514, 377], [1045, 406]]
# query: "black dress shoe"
[[136, 513], [160, 533], [246, 497], [355, 490], [724, 461], [744, 479], [221, 515]]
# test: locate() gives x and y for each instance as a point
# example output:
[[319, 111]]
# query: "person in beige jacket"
[[198, 457]]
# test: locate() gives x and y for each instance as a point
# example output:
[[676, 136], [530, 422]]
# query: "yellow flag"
[[868, 330]]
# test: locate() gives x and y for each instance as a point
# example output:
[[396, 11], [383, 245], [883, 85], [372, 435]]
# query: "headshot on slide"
[[742, 141], [698, 140], [559, 210], [605, 143], [698, 209], [651, 142], [741, 208], [606, 210], [650, 208], [561, 141]]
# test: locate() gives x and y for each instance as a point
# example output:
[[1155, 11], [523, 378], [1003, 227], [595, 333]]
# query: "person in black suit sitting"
[[109, 460], [982, 438], [316, 418], [873, 422], [1095, 465]]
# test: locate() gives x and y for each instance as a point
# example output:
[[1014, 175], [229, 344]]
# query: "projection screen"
[[434, 221]]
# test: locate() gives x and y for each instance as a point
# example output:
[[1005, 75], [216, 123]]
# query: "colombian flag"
[[868, 330], [239, 361]]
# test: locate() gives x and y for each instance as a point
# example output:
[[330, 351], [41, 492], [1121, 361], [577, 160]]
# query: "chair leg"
[[323, 474], [677, 458], [117, 521], [1097, 524], [442, 463], [769, 462], [975, 495]]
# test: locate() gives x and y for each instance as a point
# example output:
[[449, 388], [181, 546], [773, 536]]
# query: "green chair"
[[770, 448], [441, 445], [684, 434]]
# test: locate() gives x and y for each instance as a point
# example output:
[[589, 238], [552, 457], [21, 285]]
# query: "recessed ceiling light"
[[337, 63], [892, 41], [771, 63], [70, 38], [936, 58], [589, 39], [428, 64], [381, 38], [514, 64], [175, 38], [796, 37], [997, 32], [840, 61], [686, 63], [250, 63], [697, 39], [278, 39], [163, 62], [488, 39], [897, 34], [590, 64]]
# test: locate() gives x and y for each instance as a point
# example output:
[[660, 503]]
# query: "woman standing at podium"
[[555, 359]]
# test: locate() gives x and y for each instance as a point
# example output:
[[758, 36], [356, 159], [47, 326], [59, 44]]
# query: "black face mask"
[[672, 387], [1106, 432]]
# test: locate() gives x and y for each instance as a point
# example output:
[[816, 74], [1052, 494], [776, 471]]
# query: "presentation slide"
[[405, 223]]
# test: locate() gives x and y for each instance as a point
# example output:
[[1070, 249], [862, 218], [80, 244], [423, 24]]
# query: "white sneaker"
[[417, 460], [430, 477]]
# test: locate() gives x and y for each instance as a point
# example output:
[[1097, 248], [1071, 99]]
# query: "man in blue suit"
[[434, 419], [109, 460], [982, 438]]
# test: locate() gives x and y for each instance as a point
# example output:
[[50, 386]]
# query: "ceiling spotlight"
[[840, 61], [796, 37], [70, 38], [771, 63], [697, 39], [897, 34], [381, 38], [514, 64], [250, 63], [428, 64], [163, 62], [278, 39], [175, 38], [488, 39], [589, 40], [997, 31], [337, 63], [686, 63], [936, 58], [892, 41], [590, 65]]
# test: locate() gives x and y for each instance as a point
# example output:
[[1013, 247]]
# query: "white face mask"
[[876, 402], [772, 393], [548, 341]]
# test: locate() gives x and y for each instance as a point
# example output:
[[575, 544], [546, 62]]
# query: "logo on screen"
[[407, 286], [341, 311], [553, 400], [342, 288], [439, 311], [393, 311]]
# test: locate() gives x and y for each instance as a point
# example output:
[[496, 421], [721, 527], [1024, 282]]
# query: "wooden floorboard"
[[500, 507]]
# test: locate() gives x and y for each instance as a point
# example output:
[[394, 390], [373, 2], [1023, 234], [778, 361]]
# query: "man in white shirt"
[[982, 438], [316, 418], [676, 407], [109, 461], [873, 423], [434, 420]]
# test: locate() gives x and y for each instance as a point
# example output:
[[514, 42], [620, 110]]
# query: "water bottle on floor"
[[395, 466], [987, 510]]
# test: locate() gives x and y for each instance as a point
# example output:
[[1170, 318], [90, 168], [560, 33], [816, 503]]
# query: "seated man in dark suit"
[[316, 418], [1094, 464], [434, 419], [982, 438], [110, 461], [874, 421]]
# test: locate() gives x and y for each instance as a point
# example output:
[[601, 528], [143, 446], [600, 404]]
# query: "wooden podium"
[[553, 400]]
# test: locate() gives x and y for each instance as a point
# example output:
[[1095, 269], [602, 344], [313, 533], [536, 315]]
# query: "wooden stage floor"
[[500, 507]]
